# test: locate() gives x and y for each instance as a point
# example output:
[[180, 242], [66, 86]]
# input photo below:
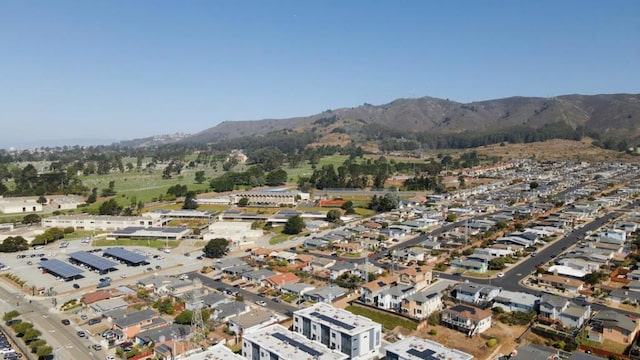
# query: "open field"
[[305, 169], [389, 322], [556, 150], [476, 345]]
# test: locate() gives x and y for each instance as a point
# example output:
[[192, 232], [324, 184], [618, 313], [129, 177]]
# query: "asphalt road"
[[249, 297], [63, 339]]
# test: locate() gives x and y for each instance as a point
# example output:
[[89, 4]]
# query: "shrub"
[[433, 332], [492, 343]]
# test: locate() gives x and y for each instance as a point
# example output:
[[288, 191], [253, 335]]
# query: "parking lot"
[[25, 266]]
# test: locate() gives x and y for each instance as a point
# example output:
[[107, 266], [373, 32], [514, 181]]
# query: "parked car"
[[96, 347], [66, 322], [261, 302], [76, 286], [94, 321], [81, 333], [276, 299]]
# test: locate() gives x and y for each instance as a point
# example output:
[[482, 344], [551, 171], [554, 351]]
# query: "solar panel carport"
[[60, 268], [129, 257], [93, 261]]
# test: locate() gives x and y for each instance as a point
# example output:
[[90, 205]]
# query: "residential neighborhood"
[[564, 270]]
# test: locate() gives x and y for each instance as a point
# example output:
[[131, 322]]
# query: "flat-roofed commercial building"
[[277, 343], [97, 222], [19, 205], [160, 233], [353, 335], [269, 197], [413, 348]]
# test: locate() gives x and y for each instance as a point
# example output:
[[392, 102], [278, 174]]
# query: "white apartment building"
[[278, 343], [356, 336]]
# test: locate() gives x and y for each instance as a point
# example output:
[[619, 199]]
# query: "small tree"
[[216, 248], [243, 202], [184, 317], [22, 327], [31, 219], [434, 319], [110, 207], [347, 205], [190, 201], [44, 351], [200, 177], [31, 334], [41, 200], [35, 344], [294, 225], [10, 315], [334, 216]]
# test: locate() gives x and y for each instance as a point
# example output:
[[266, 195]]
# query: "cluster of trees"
[[14, 244], [287, 141], [110, 207], [384, 203], [254, 176], [28, 182], [29, 334], [350, 174], [424, 183], [178, 190], [174, 167], [390, 139], [164, 306], [51, 235]]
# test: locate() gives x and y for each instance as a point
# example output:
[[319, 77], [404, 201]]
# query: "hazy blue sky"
[[127, 69]]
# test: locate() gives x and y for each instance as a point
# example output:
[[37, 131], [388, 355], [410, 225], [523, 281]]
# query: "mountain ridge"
[[611, 115]]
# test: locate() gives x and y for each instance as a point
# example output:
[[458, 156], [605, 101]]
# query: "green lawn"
[[280, 238], [388, 321], [305, 168], [146, 185]]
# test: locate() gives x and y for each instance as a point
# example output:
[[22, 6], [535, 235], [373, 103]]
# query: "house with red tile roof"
[[279, 280]]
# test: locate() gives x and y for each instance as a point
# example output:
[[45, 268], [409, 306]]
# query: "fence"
[[602, 353]]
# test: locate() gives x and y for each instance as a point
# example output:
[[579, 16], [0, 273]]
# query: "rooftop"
[[252, 318], [413, 348], [468, 312], [335, 318], [288, 345]]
